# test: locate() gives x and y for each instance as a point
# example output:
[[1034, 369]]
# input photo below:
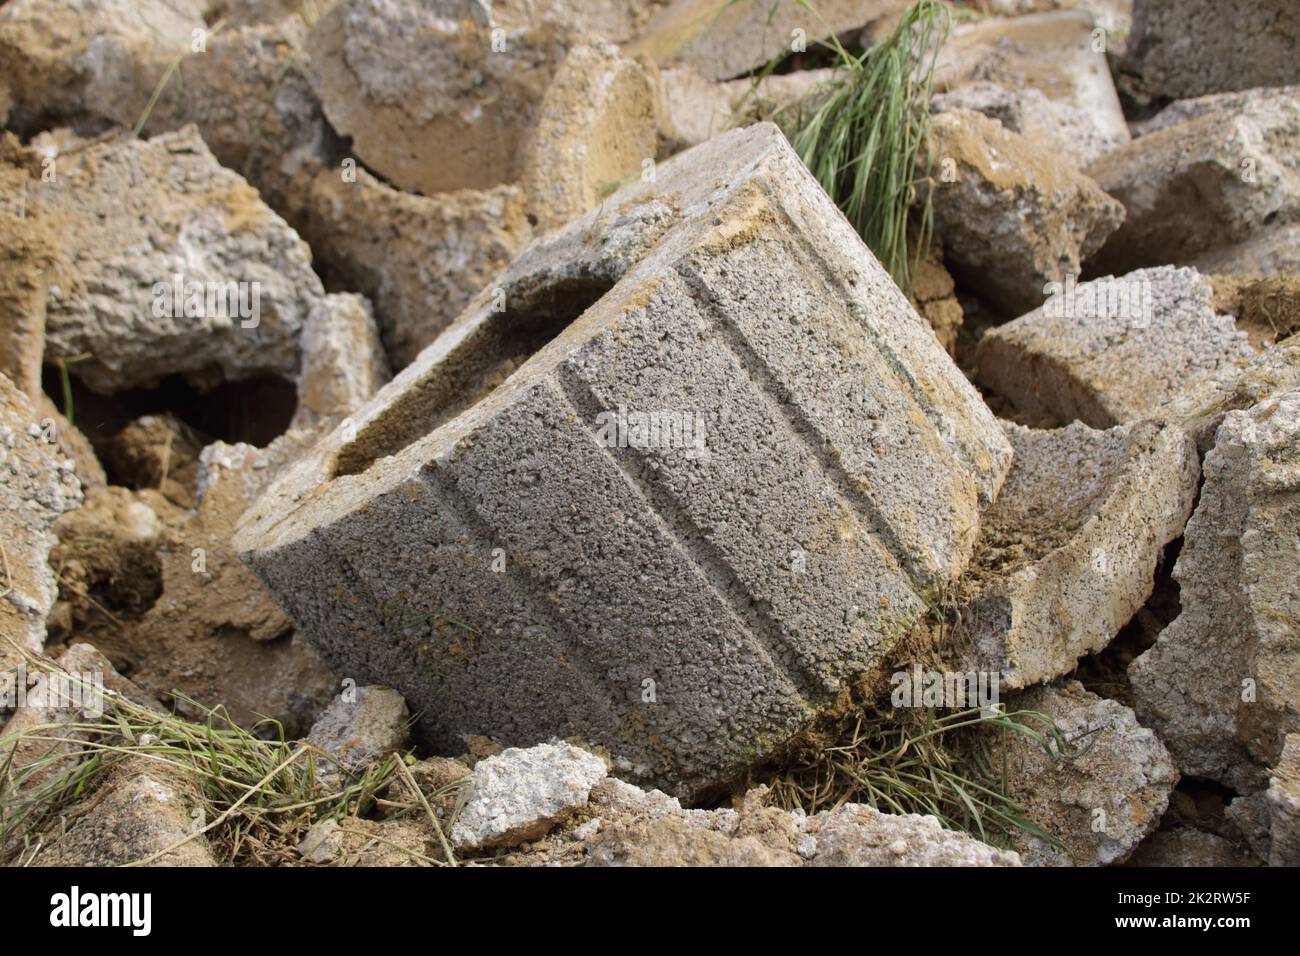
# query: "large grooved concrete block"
[[502, 559]]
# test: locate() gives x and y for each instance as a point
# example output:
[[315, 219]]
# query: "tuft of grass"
[[261, 795], [864, 132], [922, 760]]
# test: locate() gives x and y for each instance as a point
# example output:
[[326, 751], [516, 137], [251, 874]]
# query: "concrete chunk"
[[1045, 72], [1099, 804], [1012, 217], [1180, 48], [519, 795], [1112, 350], [357, 729], [1214, 180], [801, 462], [1221, 685], [179, 268], [1068, 552]]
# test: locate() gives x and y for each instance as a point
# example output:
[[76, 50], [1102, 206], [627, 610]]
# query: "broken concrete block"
[[143, 810], [361, 726], [53, 52], [1046, 73], [1235, 386], [1011, 216], [1283, 796], [1099, 804], [1112, 350], [36, 486], [178, 268], [595, 130], [418, 259], [688, 109], [849, 458], [519, 795], [722, 39], [433, 99], [1212, 181], [343, 361], [1221, 685], [1181, 48], [1067, 554], [859, 835]]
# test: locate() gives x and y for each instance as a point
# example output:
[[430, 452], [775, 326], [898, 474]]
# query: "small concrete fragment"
[[1044, 75], [179, 268], [518, 795], [1181, 48], [1222, 684], [418, 259], [1011, 216], [1068, 552], [1099, 804], [361, 726], [1283, 796], [595, 130], [434, 96], [343, 361], [692, 599], [1112, 351], [1215, 180], [143, 811], [36, 486]]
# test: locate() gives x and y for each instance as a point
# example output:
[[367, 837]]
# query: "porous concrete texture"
[[359, 727], [1271, 250], [434, 96], [418, 259], [1045, 72], [1237, 385], [521, 567], [1012, 218], [343, 360], [519, 795], [1283, 797], [178, 267], [595, 130], [1068, 552], [1112, 351], [1099, 803], [1181, 48], [1212, 181], [36, 486], [143, 811], [1221, 685], [722, 39], [634, 828]]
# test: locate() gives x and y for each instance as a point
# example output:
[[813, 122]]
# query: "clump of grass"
[[261, 795], [864, 133], [926, 761]]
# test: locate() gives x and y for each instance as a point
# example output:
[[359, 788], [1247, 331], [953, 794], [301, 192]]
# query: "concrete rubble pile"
[[483, 402]]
